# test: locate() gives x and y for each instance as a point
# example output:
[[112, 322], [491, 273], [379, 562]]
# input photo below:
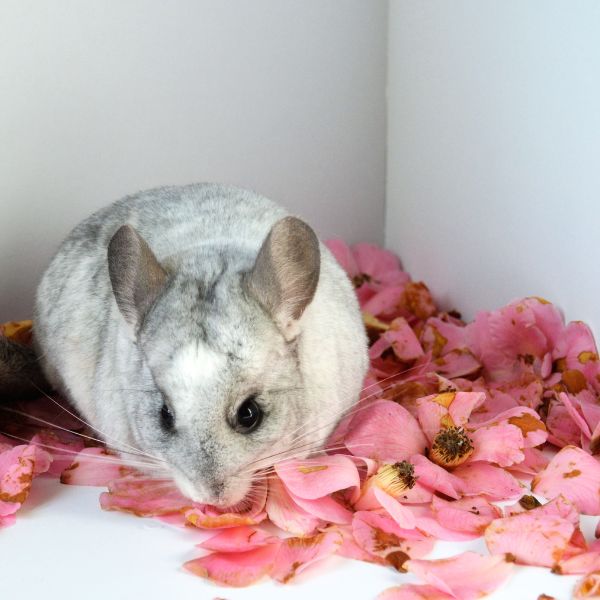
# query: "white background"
[[101, 99], [493, 181]]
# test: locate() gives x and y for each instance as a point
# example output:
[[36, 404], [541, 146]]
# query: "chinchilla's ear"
[[286, 272], [136, 276]]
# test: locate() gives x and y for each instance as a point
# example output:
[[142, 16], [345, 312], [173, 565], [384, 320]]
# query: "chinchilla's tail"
[[20, 372]]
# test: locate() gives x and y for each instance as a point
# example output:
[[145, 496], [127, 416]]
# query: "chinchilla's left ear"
[[136, 276], [286, 273]]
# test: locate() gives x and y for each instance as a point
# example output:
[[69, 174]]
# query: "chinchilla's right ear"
[[136, 276], [286, 273]]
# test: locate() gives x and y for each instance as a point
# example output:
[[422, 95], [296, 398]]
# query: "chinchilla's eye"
[[167, 419], [249, 415]]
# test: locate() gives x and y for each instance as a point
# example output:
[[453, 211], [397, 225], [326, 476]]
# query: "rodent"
[[203, 325]]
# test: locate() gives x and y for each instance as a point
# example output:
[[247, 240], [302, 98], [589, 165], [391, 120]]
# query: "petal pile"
[[456, 420]]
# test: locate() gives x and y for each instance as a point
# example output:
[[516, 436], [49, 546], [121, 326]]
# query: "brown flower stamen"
[[397, 478], [451, 447]]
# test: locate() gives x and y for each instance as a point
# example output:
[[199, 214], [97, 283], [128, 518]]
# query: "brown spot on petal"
[[586, 357], [510, 557], [304, 542], [560, 365], [545, 597], [307, 470], [572, 474], [383, 540], [529, 502], [292, 572], [358, 280], [526, 423], [397, 560], [574, 381]]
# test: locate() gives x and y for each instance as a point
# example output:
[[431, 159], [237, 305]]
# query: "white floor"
[[65, 546]]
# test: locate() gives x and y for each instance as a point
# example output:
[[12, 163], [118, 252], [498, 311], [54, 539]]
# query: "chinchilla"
[[205, 327]]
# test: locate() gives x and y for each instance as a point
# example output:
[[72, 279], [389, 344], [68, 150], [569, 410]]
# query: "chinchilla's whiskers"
[[105, 436], [340, 414], [55, 426], [296, 443], [73, 453]]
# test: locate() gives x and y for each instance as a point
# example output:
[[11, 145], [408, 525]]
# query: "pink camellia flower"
[[574, 474], [467, 576], [516, 339], [367, 264]]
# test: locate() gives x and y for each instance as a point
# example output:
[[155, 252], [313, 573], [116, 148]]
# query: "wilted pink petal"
[[384, 301], [374, 433], [500, 444], [574, 474], [580, 564], [588, 587], [326, 509], [409, 591], [484, 479], [349, 548], [402, 515], [18, 466], [313, 478], [467, 576], [530, 538], [379, 535], [94, 466], [562, 430], [572, 406], [236, 569], [427, 522], [297, 553], [144, 496], [534, 462], [236, 539], [401, 339], [285, 513], [435, 477], [61, 445], [470, 515]]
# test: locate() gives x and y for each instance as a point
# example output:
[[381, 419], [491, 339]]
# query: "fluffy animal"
[[205, 327]]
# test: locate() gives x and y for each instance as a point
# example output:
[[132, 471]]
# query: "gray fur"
[[214, 330]]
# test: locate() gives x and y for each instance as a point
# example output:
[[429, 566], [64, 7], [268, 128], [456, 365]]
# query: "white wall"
[[494, 150], [100, 99]]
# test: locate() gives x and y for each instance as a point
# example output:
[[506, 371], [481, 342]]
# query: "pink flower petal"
[[435, 477], [469, 515], [401, 338], [530, 538], [588, 587], [574, 474], [236, 539], [500, 444], [94, 466], [402, 515], [326, 509], [313, 478], [237, 569], [466, 576], [484, 479], [295, 554], [144, 496], [375, 433], [285, 513]]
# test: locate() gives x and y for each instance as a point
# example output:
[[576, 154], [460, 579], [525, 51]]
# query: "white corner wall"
[[100, 99], [494, 150]]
